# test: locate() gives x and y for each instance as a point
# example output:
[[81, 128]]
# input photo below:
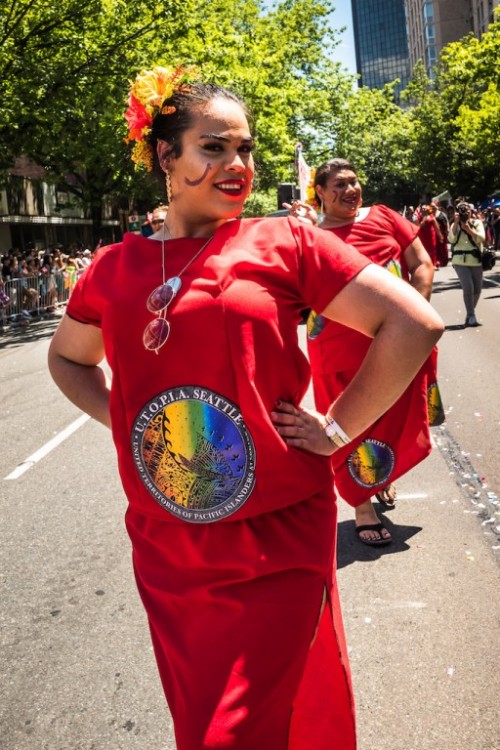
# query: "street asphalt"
[[423, 615]]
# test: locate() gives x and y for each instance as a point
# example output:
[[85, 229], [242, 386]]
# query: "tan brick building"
[[432, 24]]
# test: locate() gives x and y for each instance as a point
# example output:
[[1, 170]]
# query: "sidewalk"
[[423, 615], [20, 328]]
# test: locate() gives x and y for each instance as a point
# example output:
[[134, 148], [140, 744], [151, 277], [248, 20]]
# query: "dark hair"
[[186, 101], [325, 171]]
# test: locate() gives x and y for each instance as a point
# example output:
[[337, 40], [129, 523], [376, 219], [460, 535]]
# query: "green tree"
[[431, 141], [66, 68], [470, 86], [279, 60], [456, 118], [375, 134]]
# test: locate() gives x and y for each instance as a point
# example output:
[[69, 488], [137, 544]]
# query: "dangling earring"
[[168, 187], [321, 213]]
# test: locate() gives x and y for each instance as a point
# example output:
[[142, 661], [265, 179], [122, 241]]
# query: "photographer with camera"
[[466, 237]]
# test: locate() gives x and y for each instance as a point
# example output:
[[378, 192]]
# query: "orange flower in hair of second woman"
[[310, 198]]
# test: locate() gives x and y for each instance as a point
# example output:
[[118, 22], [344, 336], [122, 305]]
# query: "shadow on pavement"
[[445, 285], [15, 335], [350, 549]]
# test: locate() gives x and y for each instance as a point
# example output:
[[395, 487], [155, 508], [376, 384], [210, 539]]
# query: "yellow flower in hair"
[[142, 155], [146, 96], [152, 87]]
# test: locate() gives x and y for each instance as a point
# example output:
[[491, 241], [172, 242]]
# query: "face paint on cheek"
[[194, 183]]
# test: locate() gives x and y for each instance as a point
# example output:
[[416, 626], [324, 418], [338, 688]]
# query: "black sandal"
[[387, 496], [373, 527]]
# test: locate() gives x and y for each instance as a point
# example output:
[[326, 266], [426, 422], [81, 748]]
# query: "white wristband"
[[338, 429]]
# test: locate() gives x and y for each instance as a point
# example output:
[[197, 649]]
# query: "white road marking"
[[387, 604], [45, 449], [491, 281], [412, 496]]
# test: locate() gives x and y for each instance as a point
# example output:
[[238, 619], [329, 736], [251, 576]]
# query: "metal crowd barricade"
[[31, 297]]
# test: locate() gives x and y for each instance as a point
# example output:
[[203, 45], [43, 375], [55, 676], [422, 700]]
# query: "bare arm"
[[404, 328], [420, 267], [75, 354]]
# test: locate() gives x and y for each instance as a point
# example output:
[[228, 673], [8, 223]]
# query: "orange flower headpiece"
[[310, 198], [145, 100]]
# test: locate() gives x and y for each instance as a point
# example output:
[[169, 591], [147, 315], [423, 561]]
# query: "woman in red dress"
[[401, 438], [430, 233], [231, 512]]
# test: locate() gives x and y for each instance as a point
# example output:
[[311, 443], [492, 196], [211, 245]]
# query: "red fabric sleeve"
[[82, 305], [404, 231], [326, 264]]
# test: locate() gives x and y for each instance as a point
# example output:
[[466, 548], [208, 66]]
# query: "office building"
[[432, 24], [380, 41], [482, 15]]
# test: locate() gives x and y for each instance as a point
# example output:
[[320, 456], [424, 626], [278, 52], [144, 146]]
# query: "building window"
[[428, 13]]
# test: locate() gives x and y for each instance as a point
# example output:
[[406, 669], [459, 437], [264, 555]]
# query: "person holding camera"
[[466, 237]]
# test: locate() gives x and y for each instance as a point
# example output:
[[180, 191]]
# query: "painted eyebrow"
[[224, 138]]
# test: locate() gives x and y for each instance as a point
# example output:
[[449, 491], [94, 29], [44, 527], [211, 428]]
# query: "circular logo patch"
[[194, 454], [394, 266], [372, 463], [435, 406], [315, 325]]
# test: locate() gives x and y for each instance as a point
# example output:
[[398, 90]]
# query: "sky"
[[342, 16], [344, 53]]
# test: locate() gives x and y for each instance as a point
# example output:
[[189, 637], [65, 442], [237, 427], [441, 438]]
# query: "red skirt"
[[248, 653]]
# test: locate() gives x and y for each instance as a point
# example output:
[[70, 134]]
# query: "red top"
[[191, 424], [400, 438], [382, 236]]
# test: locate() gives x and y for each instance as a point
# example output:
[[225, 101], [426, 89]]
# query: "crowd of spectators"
[[39, 280], [435, 218]]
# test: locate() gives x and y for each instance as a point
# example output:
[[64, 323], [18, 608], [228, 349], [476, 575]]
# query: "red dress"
[[401, 437], [430, 236], [233, 532]]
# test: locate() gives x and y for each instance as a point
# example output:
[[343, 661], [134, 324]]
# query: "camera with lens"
[[463, 212]]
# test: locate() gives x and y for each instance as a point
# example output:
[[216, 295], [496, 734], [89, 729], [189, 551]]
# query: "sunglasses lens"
[[155, 334], [160, 298]]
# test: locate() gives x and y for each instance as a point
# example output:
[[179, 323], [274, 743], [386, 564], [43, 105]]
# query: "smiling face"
[[212, 177], [341, 196]]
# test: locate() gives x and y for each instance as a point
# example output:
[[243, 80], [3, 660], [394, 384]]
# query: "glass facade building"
[[380, 39]]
